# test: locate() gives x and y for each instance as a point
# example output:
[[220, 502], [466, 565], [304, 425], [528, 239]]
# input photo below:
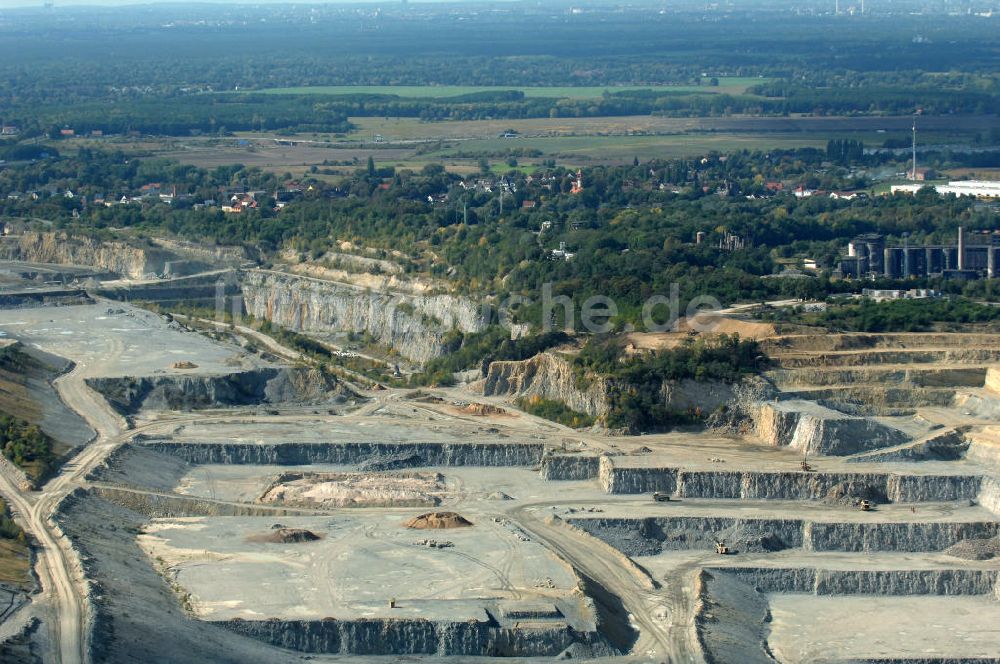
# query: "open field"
[[619, 149], [875, 129], [395, 131], [733, 85], [458, 145], [411, 143]]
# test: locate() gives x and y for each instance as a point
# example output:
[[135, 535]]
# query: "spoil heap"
[[438, 520]]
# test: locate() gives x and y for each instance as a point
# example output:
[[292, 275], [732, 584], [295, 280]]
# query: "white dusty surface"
[[114, 339], [354, 570], [806, 628]]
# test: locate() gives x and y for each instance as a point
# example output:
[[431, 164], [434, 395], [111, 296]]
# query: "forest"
[[27, 446], [174, 77]]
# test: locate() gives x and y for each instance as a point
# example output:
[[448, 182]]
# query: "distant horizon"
[[82, 4]]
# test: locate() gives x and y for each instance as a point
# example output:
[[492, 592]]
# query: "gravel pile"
[[975, 549]]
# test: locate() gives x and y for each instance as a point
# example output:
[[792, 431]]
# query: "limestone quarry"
[[232, 503]]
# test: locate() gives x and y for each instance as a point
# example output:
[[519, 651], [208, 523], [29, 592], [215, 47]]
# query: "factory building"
[[985, 189], [974, 256]]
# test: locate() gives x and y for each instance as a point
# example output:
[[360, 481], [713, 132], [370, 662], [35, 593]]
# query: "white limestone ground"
[[355, 569], [114, 339], [806, 628]]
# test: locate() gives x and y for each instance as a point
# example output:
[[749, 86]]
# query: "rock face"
[[794, 485], [376, 636], [865, 582], [811, 428], [570, 467], [652, 535], [636, 480], [903, 537], [422, 454], [128, 395], [551, 377], [127, 260], [989, 495], [413, 325]]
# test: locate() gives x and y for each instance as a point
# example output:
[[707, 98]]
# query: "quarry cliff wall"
[[653, 535], [130, 260], [377, 636], [374, 455], [551, 377], [414, 325], [866, 582], [616, 475], [128, 394], [815, 429]]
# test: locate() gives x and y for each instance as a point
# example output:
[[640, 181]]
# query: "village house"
[[239, 203]]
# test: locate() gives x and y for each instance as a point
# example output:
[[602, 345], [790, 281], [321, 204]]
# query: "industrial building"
[[974, 256], [977, 188]]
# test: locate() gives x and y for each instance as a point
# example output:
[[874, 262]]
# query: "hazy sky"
[[8, 4]]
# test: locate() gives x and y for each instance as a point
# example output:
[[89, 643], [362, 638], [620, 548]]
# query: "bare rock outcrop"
[[413, 325], [549, 376], [133, 260], [129, 394], [814, 429]]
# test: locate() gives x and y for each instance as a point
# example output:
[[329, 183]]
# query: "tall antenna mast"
[[913, 173]]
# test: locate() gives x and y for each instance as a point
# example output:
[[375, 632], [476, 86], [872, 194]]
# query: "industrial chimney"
[[961, 248]]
